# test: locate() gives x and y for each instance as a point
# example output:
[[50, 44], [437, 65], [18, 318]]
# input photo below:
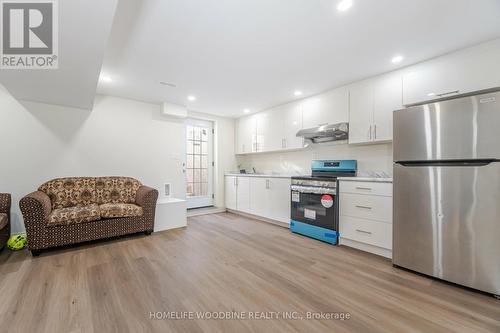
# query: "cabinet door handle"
[[363, 188], [370, 132], [363, 207], [448, 93], [375, 130], [267, 184], [364, 232]]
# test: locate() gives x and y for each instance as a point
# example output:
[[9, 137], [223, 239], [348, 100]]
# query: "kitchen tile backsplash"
[[373, 160]]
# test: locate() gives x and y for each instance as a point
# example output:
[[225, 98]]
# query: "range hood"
[[325, 133]]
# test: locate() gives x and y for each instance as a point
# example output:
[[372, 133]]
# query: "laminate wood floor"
[[224, 263]]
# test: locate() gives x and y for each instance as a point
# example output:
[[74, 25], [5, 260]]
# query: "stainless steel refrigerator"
[[447, 190]]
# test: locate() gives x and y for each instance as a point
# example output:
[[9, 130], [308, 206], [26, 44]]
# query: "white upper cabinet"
[[465, 71], [277, 128], [387, 98], [246, 131], [327, 108], [361, 112], [372, 103], [285, 123]]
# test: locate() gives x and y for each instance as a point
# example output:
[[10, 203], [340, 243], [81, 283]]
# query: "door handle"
[[375, 130], [363, 207], [448, 93], [363, 188], [364, 232], [370, 132]]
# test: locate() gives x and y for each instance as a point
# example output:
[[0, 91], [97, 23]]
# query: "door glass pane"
[[204, 188], [197, 147], [197, 175], [204, 148], [197, 161], [204, 162], [190, 147], [204, 134], [204, 175]]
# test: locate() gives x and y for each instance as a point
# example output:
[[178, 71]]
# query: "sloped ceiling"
[[84, 28]]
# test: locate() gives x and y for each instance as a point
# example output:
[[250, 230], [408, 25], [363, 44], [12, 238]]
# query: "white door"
[[199, 163], [279, 200], [258, 196], [246, 134], [290, 116], [361, 112], [243, 194], [387, 97], [230, 192]]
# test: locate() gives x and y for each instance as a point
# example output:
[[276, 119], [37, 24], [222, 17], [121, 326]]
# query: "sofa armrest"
[[5, 203], [146, 198], [35, 208]]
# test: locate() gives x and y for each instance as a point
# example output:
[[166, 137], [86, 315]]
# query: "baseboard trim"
[[205, 211], [366, 247], [260, 218]]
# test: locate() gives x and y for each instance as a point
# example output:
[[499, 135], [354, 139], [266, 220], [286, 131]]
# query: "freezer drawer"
[[447, 223]]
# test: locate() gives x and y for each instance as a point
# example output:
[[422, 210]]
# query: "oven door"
[[314, 206]]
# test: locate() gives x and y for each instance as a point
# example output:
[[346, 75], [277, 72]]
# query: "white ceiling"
[[84, 27], [254, 53]]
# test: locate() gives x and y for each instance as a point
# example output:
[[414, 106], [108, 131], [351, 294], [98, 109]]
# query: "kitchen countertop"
[[262, 175], [366, 179]]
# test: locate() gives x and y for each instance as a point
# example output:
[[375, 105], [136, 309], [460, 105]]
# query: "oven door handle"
[[313, 190]]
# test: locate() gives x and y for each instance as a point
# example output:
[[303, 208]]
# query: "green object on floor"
[[17, 242]]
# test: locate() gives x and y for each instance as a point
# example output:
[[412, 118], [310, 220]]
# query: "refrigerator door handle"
[[449, 163]]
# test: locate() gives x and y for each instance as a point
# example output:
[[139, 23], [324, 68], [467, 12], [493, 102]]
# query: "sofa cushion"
[[111, 210], [73, 215], [70, 192], [4, 220], [116, 190]]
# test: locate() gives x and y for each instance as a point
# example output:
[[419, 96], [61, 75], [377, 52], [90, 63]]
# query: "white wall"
[[39, 142], [371, 158]]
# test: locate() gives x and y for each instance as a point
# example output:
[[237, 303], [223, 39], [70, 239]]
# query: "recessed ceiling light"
[[344, 5], [191, 98], [246, 111], [397, 59], [297, 93], [169, 84], [106, 78]]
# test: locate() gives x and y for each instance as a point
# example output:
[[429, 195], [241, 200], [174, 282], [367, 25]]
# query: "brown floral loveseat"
[[73, 210]]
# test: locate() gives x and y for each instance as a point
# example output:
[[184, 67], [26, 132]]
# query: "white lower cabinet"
[[263, 197], [365, 216]]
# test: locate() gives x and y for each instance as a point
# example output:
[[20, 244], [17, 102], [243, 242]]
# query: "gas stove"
[[314, 199]]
